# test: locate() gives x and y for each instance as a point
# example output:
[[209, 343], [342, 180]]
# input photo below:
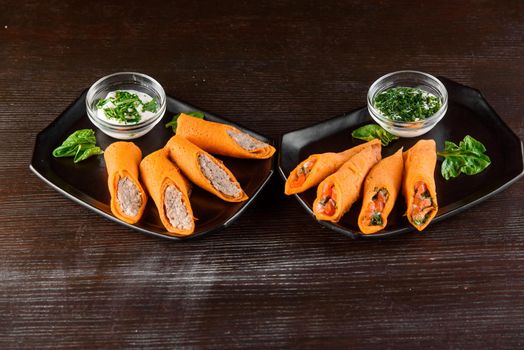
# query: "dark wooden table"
[[70, 278]]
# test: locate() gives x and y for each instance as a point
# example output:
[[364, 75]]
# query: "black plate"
[[86, 182], [468, 114]]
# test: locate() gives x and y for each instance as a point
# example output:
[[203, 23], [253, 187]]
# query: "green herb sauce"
[[407, 104], [126, 106]]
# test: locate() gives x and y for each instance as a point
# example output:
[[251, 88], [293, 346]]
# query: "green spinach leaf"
[[174, 122], [81, 145], [467, 157], [373, 131]]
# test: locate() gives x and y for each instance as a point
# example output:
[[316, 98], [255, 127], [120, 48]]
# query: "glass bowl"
[[125, 81], [413, 79]]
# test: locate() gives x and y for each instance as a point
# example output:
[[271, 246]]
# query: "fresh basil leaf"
[[471, 145], [450, 167], [373, 131], [467, 157], [81, 145], [474, 165], [85, 152], [80, 136], [65, 151], [70, 145], [451, 147], [174, 122], [366, 132], [196, 114], [385, 136]]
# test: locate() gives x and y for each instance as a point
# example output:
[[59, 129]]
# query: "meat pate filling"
[[245, 141], [218, 177], [128, 196], [175, 209]]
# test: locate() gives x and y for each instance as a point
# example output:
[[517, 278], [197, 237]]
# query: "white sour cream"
[[144, 115]]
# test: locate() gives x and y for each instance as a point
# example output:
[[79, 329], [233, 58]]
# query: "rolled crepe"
[[317, 167], [337, 193], [170, 191], [204, 170], [128, 198], [381, 188], [222, 139], [419, 183]]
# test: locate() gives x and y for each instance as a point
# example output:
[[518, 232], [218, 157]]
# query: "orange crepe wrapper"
[[213, 138], [419, 165], [185, 155], [122, 159], [325, 164], [158, 172], [385, 174], [347, 182]]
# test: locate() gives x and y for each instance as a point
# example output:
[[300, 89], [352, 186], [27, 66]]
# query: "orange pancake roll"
[[317, 167], [222, 139], [128, 198], [204, 170], [419, 183], [337, 193], [381, 188], [170, 191]]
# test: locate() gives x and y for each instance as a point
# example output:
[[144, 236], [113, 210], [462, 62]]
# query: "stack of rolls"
[[167, 173], [337, 192], [344, 177]]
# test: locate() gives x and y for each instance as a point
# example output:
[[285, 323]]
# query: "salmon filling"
[[422, 204], [373, 216], [299, 177], [328, 202]]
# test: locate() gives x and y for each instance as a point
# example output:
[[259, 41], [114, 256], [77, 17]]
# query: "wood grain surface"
[[275, 279]]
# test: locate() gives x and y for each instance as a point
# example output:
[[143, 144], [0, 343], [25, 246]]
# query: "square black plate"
[[468, 114], [86, 181]]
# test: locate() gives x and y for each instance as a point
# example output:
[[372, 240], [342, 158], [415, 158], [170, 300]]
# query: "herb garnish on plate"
[[467, 157], [373, 131], [174, 122], [81, 145]]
